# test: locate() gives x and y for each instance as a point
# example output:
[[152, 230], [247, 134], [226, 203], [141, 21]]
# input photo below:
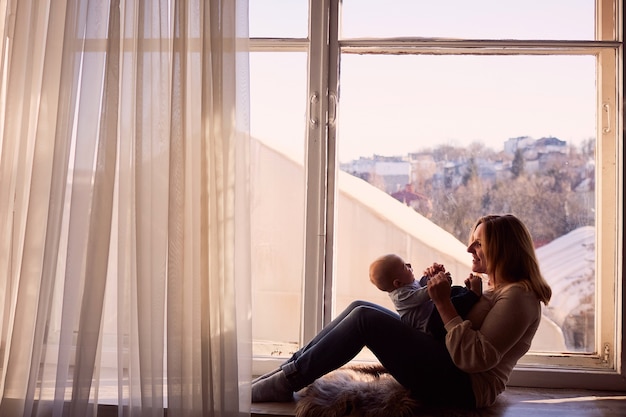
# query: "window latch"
[[606, 354]]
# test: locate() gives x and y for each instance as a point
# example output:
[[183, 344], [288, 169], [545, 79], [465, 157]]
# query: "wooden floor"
[[515, 402]]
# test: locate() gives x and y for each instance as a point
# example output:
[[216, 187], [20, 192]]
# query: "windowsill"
[[515, 401], [273, 409], [523, 376]]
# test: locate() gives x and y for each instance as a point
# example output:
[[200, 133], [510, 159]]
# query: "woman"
[[473, 366]]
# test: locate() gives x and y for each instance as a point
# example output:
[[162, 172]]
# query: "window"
[[416, 120], [277, 195]]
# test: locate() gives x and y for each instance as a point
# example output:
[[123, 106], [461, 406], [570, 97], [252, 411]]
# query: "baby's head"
[[390, 272]]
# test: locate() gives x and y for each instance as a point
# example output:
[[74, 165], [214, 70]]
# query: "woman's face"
[[479, 262]]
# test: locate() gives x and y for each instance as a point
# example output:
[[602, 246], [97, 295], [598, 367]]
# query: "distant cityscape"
[[429, 179]]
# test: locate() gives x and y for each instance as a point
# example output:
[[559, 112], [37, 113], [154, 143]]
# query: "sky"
[[391, 105]]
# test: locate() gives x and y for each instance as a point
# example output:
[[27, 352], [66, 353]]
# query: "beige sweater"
[[497, 333]]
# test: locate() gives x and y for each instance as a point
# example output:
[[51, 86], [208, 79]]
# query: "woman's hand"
[[439, 288]]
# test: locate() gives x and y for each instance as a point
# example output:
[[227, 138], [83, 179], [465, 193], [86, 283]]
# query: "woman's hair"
[[510, 253]]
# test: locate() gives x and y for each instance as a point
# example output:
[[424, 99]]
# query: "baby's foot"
[[475, 284]]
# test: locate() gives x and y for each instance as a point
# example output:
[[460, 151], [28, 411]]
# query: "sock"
[[274, 388], [267, 375]]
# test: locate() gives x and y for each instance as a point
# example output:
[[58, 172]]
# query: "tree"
[[517, 166], [552, 201], [471, 172]]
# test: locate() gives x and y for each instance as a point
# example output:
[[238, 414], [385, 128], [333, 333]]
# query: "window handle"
[[313, 119], [607, 109], [332, 108]]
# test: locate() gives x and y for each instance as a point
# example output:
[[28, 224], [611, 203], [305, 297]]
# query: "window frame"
[[602, 370]]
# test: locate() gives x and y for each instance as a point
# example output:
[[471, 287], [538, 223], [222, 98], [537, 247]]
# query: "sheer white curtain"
[[124, 215]]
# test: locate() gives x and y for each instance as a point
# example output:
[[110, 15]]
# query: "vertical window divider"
[[316, 157], [333, 168]]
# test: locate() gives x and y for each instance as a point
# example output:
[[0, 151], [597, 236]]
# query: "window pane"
[[482, 19], [278, 18], [429, 143], [278, 98]]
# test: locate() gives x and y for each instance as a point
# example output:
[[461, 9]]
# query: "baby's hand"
[[433, 270], [475, 284]]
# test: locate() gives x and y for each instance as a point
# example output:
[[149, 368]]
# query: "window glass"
[[278, 100], [479, 19], [429, 143], [277, 125], [278, 18]]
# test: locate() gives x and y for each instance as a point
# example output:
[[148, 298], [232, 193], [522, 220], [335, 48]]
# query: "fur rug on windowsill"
[[364, 391]]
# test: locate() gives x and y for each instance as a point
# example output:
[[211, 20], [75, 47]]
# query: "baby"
[[391, 274]]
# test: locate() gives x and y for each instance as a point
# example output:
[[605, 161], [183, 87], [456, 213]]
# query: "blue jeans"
[[415, 359]]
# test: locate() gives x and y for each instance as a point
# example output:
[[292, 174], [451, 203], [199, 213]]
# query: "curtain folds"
[[124, 207]]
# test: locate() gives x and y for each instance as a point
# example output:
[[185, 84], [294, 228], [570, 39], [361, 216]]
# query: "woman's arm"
[[515, 314], [439, 289]]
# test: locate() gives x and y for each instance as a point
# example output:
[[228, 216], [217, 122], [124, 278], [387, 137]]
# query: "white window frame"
[[601, 370]]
